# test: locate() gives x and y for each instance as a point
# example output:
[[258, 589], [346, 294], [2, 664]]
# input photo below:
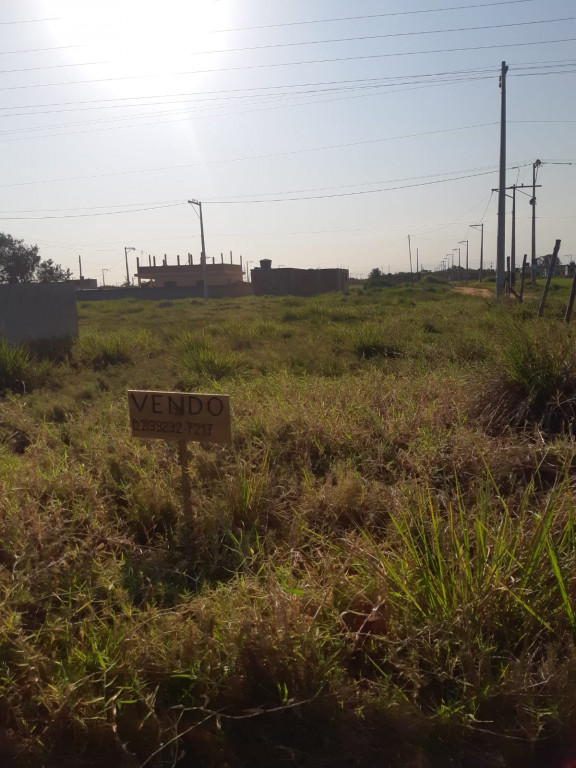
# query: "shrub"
[[100, 349], [532, 381], [198, 356], [19, 370]]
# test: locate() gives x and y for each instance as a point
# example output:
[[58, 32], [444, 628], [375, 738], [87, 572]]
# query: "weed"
[[19, 370]]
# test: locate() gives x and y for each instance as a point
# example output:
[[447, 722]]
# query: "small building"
[[84, 283], [188, 275], [287, 281]]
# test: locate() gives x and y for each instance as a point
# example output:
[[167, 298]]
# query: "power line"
[[41, 50], [51, 66], [86, 215], [350, 194], [30, 21], [110, 103], [232, 202], [374, 16], [164, 203], [248, 92], [388, 35], [282, 101], [267, 156], [294, 63], [364, 183]]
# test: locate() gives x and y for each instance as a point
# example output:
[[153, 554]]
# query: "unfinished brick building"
[[287, 281]]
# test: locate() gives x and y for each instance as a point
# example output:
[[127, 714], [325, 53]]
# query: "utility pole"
[[80, 265], [410, 252], [514, 187], [127, 250], [501, 238], [481, 228], [461, 242], [203, 256], [513, 244], [535, 167]]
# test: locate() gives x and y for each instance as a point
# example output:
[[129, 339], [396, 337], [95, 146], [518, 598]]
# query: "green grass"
[[380, 567]]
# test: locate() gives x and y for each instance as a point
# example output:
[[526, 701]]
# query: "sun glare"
[[142, 37]]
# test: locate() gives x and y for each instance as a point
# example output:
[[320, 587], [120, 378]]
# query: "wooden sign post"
[[182, 417]]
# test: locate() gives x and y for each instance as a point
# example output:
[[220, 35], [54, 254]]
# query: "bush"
[[100, 349], [532, 381], [19, 370], [198, 356]]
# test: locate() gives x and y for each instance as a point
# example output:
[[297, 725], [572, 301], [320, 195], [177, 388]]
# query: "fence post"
[[522, 277], [549, 277], [571, 300]]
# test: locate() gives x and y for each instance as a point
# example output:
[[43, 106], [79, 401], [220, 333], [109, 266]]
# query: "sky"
[[316, 134]]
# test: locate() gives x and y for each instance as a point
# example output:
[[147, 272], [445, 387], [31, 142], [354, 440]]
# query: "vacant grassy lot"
[[380, 569]]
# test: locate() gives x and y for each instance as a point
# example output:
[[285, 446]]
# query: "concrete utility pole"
[[410, 253], [461, 242], [203, 256], [501, 238], [535, 167], [513, 244], [127, 250], [80, 265], [481, 228], [514, 187], [456, 249]]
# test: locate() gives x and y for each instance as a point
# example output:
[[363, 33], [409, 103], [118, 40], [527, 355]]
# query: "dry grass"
[[373, 576]]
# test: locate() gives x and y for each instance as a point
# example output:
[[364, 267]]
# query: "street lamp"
[[248, 271], [462, 242], [457, 249], [127, 250], [203, 255], [481, 228]]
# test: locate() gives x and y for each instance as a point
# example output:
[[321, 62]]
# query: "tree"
[[48, 272], [18, 261], [375, 274]]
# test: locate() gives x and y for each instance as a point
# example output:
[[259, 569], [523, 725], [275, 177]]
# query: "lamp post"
[[203, 256], [127, 250], [462, 242], [481, 228], [457, 249]]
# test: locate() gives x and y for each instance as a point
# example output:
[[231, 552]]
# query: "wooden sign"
[[181, 416]]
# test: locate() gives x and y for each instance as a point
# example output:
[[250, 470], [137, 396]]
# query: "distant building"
[[83, 283], [188, 275], [286, 281]]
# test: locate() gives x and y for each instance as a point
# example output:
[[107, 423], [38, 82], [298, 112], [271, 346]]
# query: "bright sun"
[[142, 37]]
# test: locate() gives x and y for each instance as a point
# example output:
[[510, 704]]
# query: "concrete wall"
[[166, 294], [297, 282], [33, 311], [190, 275]]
